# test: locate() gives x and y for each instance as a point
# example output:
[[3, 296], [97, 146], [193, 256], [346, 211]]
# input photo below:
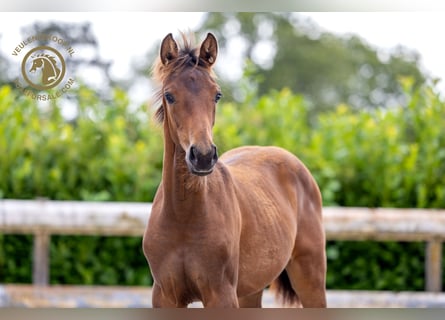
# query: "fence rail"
[[44, 218]]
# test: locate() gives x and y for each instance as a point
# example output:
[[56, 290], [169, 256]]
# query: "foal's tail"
[[284, 291]]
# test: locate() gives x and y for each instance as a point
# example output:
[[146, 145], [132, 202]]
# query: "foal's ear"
[[169, 49], [209, 49]]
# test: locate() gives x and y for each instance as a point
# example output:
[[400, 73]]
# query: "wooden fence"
[[44, 218]]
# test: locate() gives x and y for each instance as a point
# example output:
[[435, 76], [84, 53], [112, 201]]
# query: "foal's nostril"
[[193, 157], [215, 154], [193, 153]]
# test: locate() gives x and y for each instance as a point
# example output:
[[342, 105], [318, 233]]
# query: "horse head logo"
[[46, 62], [48, 66]]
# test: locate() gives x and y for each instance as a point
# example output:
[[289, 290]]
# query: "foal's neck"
[[181, 188]]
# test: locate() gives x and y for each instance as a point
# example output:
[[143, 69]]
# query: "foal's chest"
[[184, 268]]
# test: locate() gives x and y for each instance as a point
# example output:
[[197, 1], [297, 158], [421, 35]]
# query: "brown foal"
[[222, 230]]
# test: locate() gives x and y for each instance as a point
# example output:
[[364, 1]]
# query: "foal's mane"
[[188, 57]]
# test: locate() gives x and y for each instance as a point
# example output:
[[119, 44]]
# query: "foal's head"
[[189, 95]]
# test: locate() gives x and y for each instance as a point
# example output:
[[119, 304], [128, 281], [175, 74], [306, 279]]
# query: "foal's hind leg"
[[308, 280], [307, 274], [252, 301]]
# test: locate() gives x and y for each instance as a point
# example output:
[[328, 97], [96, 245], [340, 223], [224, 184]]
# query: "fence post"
[[433, 266], [40, 272]]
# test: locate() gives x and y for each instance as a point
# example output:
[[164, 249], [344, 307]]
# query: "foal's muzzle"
[[201, 163]]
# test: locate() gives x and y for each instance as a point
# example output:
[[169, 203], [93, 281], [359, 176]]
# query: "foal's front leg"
[[224, 298], [159, 300]]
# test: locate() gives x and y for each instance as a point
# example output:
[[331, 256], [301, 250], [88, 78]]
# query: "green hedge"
[[109, 153], [379, 158], [392, 158]]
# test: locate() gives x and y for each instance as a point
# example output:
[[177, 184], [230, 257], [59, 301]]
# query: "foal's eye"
[[169, 98], [218, 96]]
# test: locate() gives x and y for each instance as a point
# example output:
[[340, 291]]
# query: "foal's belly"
[[263, 257], [265, 249], [264, 180]]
